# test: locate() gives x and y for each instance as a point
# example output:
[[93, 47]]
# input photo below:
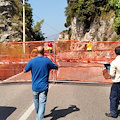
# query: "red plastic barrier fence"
[[76, 62]]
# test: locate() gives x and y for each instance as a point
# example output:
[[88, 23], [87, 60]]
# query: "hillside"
[[11, 21], [92, 20]]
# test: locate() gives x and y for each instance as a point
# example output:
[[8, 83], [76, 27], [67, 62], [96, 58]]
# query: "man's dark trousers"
[[114, 99]]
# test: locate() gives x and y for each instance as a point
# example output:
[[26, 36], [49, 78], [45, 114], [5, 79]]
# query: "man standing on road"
[[40, 67], [115, 89]]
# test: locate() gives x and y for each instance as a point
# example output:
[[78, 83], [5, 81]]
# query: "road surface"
[[65, 102]]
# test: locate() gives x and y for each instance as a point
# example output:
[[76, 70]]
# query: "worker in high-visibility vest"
[[89, 47], [50, 47]]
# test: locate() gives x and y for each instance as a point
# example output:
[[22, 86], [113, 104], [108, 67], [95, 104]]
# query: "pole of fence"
[[24, 26], [54, 52], [55, 62]]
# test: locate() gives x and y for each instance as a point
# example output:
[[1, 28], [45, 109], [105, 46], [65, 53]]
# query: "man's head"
[[40, 50], [117, 50]]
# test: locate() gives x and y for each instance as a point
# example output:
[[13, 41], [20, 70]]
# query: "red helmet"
[[50, 44]]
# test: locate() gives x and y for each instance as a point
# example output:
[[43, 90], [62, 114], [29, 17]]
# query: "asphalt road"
[[65, 102], [14, 100]]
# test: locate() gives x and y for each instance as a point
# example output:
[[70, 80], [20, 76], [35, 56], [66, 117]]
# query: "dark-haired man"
[[115, 89], [40, 67]]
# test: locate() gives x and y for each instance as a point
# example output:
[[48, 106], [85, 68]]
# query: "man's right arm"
[[53, 65]]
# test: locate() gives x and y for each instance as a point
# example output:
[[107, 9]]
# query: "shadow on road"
[[56, 114], [5, 112]]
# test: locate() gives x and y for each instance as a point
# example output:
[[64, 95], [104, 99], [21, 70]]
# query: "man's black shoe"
[[108, 115]]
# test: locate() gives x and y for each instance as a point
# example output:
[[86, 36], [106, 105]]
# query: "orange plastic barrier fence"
[[76, 62]]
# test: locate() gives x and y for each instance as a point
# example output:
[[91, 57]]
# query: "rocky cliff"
[[99, 30], [10, 23]]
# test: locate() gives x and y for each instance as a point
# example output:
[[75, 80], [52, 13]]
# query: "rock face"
[[10, 24], [99, 30], [63, 36]]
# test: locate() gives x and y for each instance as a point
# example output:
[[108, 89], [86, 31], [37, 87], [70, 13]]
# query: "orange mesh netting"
[[76, 62]]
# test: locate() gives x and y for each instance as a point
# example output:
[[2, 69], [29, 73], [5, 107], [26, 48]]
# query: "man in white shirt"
[[115, 89]]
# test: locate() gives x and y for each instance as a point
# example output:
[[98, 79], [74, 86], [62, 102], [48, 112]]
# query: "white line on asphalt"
[[27, 113], [13, 76]]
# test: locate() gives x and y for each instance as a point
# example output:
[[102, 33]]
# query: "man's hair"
[[117, 50], [40, 50]]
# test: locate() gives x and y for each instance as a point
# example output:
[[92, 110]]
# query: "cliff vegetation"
[[11, 22], [93, 19]]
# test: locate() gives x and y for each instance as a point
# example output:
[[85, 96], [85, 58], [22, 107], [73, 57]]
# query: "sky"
[[53, 13]]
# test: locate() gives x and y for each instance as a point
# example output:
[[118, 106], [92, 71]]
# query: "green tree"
[[18, 11], [31, 33], [88, 10], [84, 10], [37, 31], [28, 18], [115, 5]]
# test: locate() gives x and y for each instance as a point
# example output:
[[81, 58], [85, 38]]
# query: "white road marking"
[[13, 76], [27, 113]]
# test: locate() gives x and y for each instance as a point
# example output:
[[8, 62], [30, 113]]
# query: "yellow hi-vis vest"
[[49, 48], [89, 46]]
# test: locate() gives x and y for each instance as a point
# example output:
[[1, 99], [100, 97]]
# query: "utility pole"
[[24, 26]]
